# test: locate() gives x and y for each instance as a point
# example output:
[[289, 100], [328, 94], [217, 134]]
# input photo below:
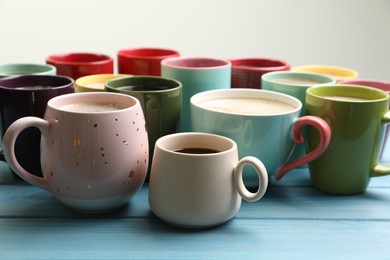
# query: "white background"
[[349, 33]]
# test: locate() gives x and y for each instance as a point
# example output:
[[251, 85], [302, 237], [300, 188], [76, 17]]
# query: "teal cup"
[[264, 124], [196, 75], [295, 84], [12, 69]]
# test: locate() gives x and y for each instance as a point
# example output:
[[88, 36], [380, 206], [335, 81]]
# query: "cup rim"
[[81, 83], [39, 69], [341, 72], [115, 80], [273, 64], [197, 139], [181, 61], [381, 84], [271, 76], [346, 88], [67, 82], [155, 53], [60, 58], [98, 97], [247, 93]]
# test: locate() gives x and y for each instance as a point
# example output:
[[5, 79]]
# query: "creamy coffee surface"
[[247, 106], [346, 98], [91, 107]]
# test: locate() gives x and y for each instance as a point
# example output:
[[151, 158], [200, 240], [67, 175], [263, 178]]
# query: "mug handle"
[[239, 182], [9, 148], [324, 140], [380, 169]]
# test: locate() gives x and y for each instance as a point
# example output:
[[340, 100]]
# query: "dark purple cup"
[[27, 95]]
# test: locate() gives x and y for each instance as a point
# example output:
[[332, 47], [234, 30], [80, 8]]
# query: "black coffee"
[[194, 150]]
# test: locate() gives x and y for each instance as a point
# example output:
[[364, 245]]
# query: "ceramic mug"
[[265, 124], [295, 84], [94, 150], [247, 72], [374, 83], [196, 180], [27, 95], [337, 72], [79, 64], [143, 61], [196, 75], [160, 100], [12, 69], [357, 116], [95, 82]]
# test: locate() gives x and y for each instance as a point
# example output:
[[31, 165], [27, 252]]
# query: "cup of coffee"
[[79, 64], [12, 69], [94, 150], [337, 72], [95, 82], [196, 179], [160, 100], [374, 83], [196, 75], [143, 61], [27, 95], [265, 124], [357, 116], [295, 84], [247, 72]]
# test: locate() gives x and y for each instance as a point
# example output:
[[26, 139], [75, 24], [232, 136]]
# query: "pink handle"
[[325, 136]]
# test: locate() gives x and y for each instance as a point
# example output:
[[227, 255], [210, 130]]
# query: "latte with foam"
[[91, 107], [247, 106]]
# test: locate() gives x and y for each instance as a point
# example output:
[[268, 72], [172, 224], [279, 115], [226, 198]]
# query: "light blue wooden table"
[[293, 221]]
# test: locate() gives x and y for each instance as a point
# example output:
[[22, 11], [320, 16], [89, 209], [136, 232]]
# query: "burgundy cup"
[[143, 61], [247, 72], [27, 95], [380, 84], [76, 65]]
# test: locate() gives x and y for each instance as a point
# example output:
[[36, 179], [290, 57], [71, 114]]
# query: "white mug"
[[94, 149], [196, 179]]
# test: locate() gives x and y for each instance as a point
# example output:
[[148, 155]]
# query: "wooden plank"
[[146, 238]]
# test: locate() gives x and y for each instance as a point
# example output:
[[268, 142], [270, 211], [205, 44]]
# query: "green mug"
[[357, 116], [160, 100], [12, 69]]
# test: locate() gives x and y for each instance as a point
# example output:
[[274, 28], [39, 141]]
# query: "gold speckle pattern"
[[77, 142], [125, 142], [131, 174]]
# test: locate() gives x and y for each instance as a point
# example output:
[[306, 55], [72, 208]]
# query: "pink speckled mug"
[[94, 149]]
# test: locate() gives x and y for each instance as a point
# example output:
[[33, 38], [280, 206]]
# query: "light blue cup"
[[269, 136], [295, 84], [12, 69], [196, 75]]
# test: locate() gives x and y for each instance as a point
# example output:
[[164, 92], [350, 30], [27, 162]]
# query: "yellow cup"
[[339, 73], [95, 83]]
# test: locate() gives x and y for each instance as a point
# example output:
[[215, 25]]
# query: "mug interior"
[[297, 78], [335, 71], [75, 58], [149, 53], [141, 84], [36, 82], [232, 93], [183, 62], [95, 82], [259, 63], [179, 141], [369, 94]]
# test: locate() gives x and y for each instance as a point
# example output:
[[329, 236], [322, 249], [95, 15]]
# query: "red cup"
[[143, 61], [247, 72], [76, 65]]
